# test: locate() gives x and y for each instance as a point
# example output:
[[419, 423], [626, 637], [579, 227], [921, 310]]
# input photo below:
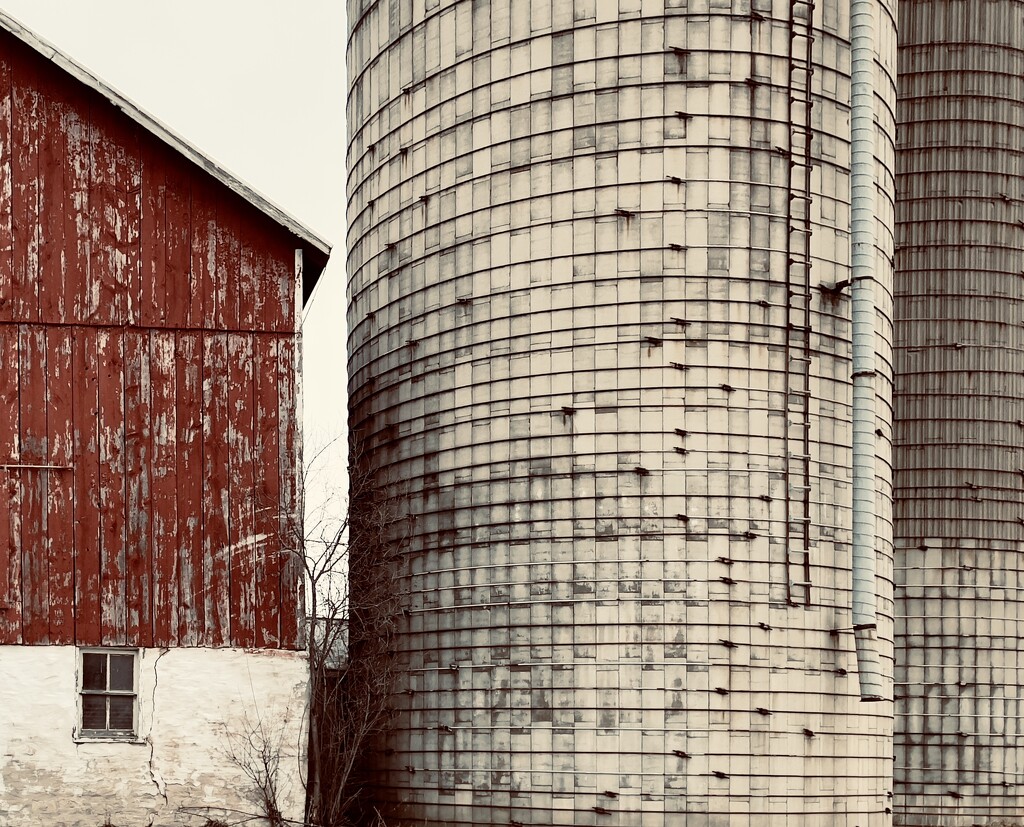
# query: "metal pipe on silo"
[[862, 196]]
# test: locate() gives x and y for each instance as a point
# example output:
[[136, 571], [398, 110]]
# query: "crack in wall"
[[157, 779]]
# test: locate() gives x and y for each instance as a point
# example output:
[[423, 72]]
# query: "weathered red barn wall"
[[147, 352]]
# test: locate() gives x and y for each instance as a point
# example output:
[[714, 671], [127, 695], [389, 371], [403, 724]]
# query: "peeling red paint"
[[147, 369]]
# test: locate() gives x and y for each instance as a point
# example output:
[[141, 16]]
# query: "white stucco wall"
[[196, 706]]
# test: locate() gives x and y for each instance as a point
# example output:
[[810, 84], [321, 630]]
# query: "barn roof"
[[316, 249]]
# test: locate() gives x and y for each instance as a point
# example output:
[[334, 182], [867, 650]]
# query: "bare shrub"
[[258, 754], [350, 574]]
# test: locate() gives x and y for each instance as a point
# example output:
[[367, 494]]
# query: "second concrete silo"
[[959, 414], [601, 265]]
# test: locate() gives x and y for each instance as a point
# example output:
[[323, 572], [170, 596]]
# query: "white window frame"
[[94, 736]]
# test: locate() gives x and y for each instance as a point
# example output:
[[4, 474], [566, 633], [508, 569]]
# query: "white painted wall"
[[196, 706]]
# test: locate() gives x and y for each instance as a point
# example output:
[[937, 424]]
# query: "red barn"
[[149, 458]]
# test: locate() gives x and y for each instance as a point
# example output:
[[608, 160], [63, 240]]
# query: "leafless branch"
[[350, 574], [347, 554], [257, 752]]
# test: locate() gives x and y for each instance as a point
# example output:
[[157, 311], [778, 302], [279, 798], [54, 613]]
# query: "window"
[[108, 693]]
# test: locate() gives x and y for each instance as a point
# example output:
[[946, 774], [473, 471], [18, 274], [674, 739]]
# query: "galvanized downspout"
[[862, 197]]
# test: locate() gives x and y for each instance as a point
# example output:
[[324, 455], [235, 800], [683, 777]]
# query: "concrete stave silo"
[[960, 366], [600, 346]]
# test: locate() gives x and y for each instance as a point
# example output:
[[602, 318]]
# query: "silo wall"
[[960, 420], [600, 355]]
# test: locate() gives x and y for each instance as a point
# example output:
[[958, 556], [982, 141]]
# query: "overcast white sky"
[[259, 86]]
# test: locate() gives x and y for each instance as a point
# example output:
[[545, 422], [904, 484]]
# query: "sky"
[[257, 85]]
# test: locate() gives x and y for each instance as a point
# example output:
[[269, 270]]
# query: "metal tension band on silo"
[[862, 197]]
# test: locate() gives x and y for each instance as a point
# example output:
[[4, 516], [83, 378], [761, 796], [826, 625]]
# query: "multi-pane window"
[[108, 693]]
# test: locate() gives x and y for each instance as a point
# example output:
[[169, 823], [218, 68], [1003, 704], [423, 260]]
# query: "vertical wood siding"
[[147, 390]]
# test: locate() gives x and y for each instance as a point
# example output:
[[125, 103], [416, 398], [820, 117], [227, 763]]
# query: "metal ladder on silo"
[[798, 280]]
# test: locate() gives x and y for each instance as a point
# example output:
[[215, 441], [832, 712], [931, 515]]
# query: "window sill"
[[78, 738]]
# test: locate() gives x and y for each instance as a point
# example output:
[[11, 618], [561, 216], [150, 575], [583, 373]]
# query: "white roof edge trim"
[[163, 132]]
